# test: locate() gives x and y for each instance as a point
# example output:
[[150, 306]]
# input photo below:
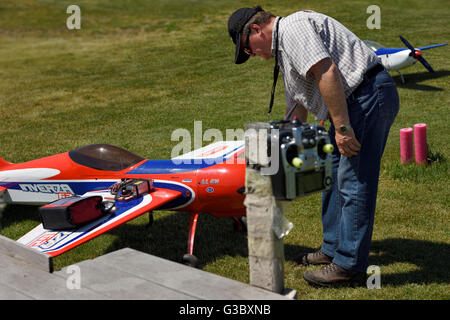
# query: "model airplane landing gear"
[[189, 259], [240, 224], [150, 219], [2, 207], [401, 77]]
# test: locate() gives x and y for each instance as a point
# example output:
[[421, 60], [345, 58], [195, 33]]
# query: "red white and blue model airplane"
[[210, 180], [394, 59]]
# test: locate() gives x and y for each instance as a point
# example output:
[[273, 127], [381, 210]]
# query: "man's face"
[[258, 42]]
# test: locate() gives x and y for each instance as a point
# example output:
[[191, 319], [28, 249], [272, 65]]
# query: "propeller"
[[416, 54]]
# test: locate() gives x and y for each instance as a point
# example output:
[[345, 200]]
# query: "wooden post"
[[265, 223]]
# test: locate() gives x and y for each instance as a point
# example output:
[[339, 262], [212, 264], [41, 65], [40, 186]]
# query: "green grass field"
[[137, 70]]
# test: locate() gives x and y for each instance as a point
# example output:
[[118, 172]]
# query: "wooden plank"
[[120, 284], [9, 293], [19, 279], [123, 274], [191, 281], [21, 252]]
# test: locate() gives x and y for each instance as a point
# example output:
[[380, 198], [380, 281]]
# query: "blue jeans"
[[348, 208]]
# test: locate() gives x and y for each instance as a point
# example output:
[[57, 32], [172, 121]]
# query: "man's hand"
[[347, 143]]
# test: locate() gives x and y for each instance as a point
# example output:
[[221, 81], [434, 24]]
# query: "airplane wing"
[[54, 242]]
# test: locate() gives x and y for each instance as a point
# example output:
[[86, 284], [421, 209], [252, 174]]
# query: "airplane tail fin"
[[433, 46], [223, 150]]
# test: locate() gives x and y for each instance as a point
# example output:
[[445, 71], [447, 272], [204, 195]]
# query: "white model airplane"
[[395, 59]]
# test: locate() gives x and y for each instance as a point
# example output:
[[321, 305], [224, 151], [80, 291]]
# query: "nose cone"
[[417, 54]]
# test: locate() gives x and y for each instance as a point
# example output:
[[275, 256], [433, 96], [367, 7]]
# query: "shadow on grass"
[[431, 258], [412, 81], [216, 237], [13, 214], [167, 238]]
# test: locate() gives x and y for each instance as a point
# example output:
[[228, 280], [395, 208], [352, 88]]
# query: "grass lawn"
[[137, 70]]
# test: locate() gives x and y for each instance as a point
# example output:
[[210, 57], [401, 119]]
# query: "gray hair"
[[261, 18]]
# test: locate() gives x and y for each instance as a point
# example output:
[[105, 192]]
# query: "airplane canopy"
[[373, 45], [104, 157]]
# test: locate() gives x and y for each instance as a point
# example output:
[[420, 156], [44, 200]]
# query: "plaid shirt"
[[305, 38]]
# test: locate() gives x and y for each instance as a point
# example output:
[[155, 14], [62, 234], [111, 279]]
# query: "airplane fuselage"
[[215, 188], [397, 60]]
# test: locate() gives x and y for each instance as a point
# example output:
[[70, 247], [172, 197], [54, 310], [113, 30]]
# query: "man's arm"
[[328, 79], [298, 111]]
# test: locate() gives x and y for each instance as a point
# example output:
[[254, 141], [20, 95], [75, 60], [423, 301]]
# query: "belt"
[[373, 71], [366, 77]]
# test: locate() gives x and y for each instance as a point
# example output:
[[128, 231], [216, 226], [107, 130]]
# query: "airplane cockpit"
[[104, 157], [373, 45]]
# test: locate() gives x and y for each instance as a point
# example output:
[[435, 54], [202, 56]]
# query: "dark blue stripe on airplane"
[[179, 165], [174, 166], [389, 50]]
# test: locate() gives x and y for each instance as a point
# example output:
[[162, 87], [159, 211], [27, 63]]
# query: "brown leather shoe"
[[332, 275], [317, 257]]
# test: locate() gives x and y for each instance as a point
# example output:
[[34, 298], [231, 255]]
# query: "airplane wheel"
[[190, 260]]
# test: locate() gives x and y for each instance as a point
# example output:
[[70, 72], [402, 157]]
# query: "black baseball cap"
[[236, 24]]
